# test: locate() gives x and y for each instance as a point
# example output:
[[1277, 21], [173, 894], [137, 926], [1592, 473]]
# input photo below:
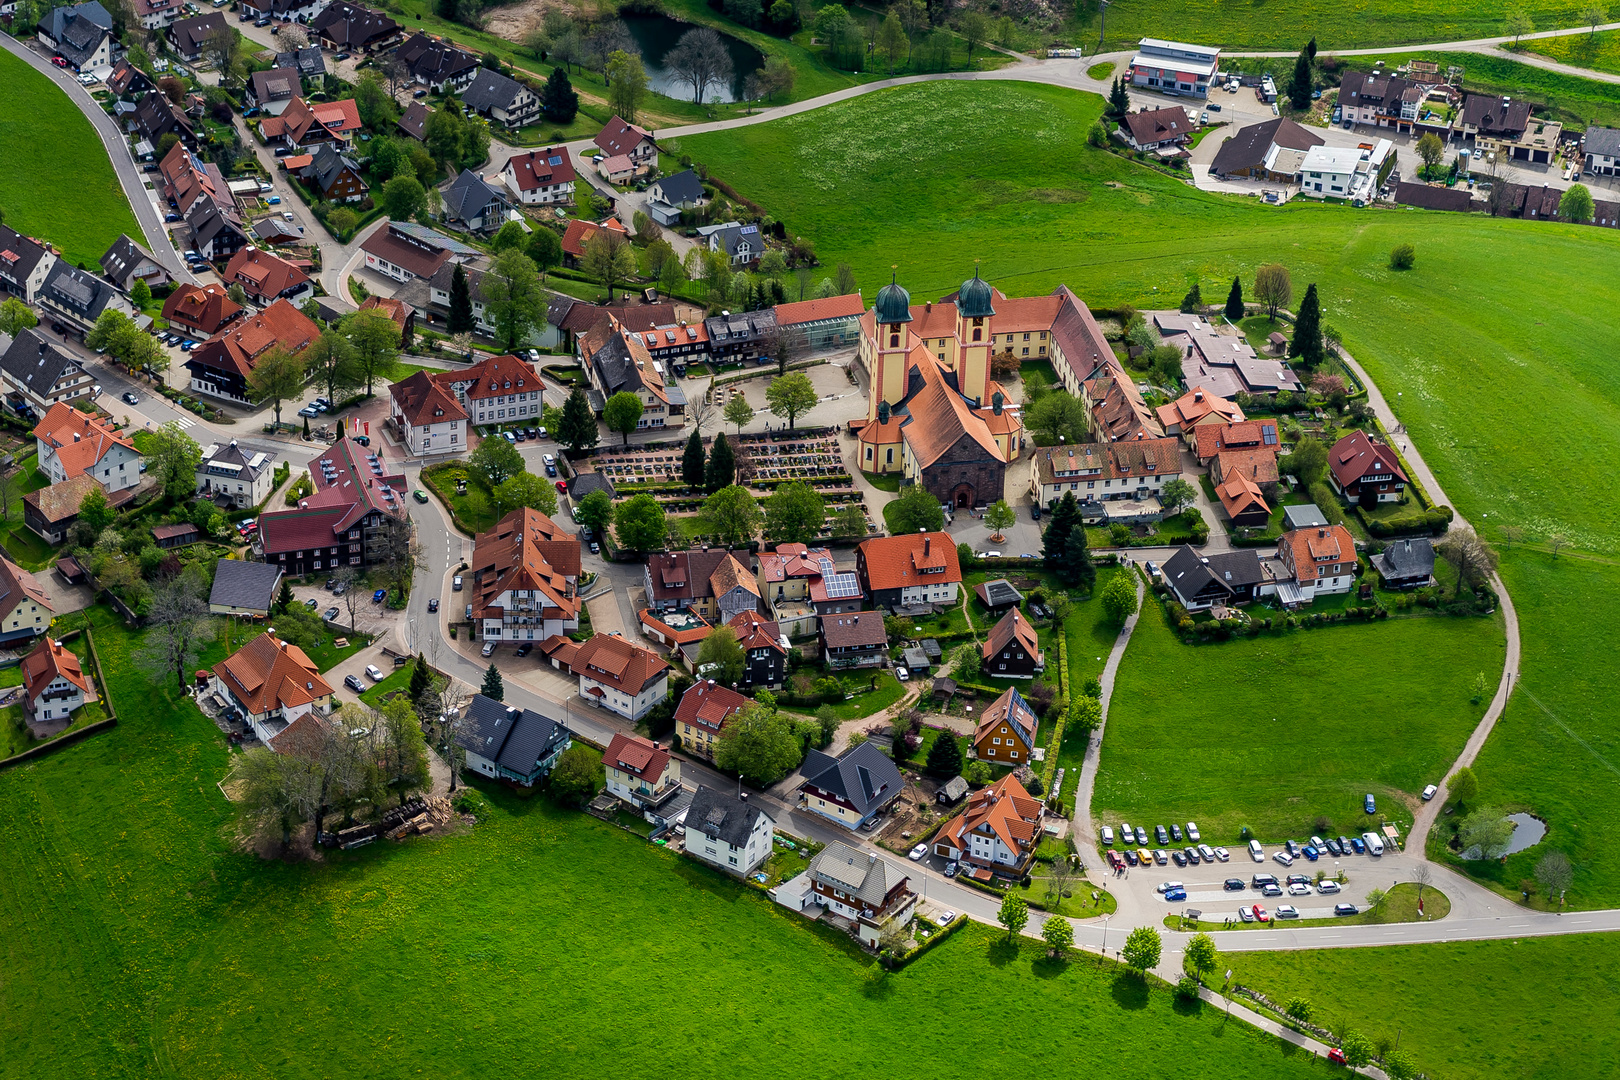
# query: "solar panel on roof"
[[554, 160], [842, 586]]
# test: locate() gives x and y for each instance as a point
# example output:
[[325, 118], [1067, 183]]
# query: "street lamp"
[[1105, 934]]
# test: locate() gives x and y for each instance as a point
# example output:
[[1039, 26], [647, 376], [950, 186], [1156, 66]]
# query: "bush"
[[1097, 137], [1404, 257], [1187, 988]]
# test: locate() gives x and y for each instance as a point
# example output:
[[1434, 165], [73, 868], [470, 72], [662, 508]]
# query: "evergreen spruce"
[[558, 100], [577, 430], [1119, 101], [286, 600], [722, 469], [493, 688], [1299, 86], [1307, 343], [945, 757], [1310, 49], [460, 318], [692, 461], [421, 680], [1193, 301], [1234, 300], [1064, 520], [1077, 569]]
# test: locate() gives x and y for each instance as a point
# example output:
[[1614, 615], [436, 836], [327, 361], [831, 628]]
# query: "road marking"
[[185, 422]]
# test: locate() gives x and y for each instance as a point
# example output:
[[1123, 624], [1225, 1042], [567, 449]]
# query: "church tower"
[[893, 312], [974, 338]]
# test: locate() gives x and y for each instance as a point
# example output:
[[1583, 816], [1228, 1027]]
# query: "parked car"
[[1346, 909], [902, 674], [1222, 855], [524, 649], [596, 548], [373, 673], [520, 435], [455, 583], [1260, 880], [309, 411], [353, 683], [918, 853], [1297, 889], [947, 918], [1246, 914], [489, 648], [1176, 894], [1116, 860], [1192, 856], [562, 489], [274, 200], [1256, 852], [1334, 848], [1125, 832], [1161, 856], [1374, 842], [1335, 1056], [340, 588], [1179, 858], [341, 56], [1369, 805], [1161, 834], [1166, 886], [1310, 852], [1292, 847], [1141, 835], [1145, 856], [331, 613], [1287, 911], [312, 603], [1272, 889], [1235, 884], [1284, 858], [1358, 845], [1107, 834], [130, 398], [953, 866], [1207, 852], [1214, 107], [1175, 832], [379, 596], [1429, 792], [1260, 913], [1327, 887]]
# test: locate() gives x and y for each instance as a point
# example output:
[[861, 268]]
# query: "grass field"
[[1271, 732], [51, 149], [1534, 1009], [1600, 52], [137, 943], [1400, 905]]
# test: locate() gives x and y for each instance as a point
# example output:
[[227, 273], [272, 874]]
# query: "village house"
[[1161, 131], [765, 649], [1200, 582], [1175, 67], [620, 139], [866, 891], [127, 262], [245, 588], [355, 516], [1601, 147], [1244, 501], [1406, 564], [38, 374], [231, 477], [285, 10], [1012, 650], [725, 831], [189, 37], [617, 361], [799, 584], [741, 244], [1321, 562], [200, 309], [524, 573], [1379, 99], [702, 713], [1223, 364], [1247, 448], [24, 263], [854, 641], [1194, 409], [1272, 151], [343, 26], [909, 570], [274, 684], [540, 177], [335, 175], [619, 676], [427, 417], [216, 232], [852, 788], [405, 251], [712, 583], [740, 336], [438, 63], [272, 91], [580, 232], [1107, 472], [413, 121], [156, 116], [305, 124], [128, 81], [1006, 731], [519, 746], [504, 100], [24, 608], [78, 297], [640, 772], [473, 203], [673, 334], [81, 34], [669, 195], [54, 683], [307, 62], [1366, 471], [220, 366], [498, 390], [1333, 172], [157, 14], [51, 511], [996, 832], [71, 443], [266, 278]]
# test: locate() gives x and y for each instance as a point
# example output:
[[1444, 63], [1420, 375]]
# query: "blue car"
[[1359, 844], [379, 596], [1370, 806], [1176, 894], [1311, 853], [274, 200]]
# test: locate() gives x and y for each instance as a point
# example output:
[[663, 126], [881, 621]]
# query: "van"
[[1108, 834], [1375, 844], [1256, 852]]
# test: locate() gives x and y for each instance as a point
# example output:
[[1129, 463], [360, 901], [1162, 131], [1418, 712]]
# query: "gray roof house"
[[273, 90], [309, 63], [126, 261], [438, 63], [741, 243], [471, 201], [81, 33], [504, 100], [24, 263], [216, 233], [852, 788], [190, 36], [78, 296], [38, 372], [1200, 582], [1306, 516], [244, 588], [582, 484], [726, 831], [862, 889], [669, 195], [517, 745], [1406, 564]]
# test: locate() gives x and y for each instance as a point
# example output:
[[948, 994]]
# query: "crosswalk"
[[186, 421]]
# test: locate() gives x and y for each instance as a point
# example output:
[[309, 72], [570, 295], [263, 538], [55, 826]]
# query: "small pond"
[[656, 35], [1527, 833]]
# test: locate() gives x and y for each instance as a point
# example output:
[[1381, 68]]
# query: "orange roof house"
[[702, 714], [1243, 501], [619, 676], [1012, 650], [273, 683], [201, 309], [580, 231], [221, 364], [302, 123], [523, 575], [640, 771], [1322, 561], [998, 829], [1195, 408], [265, 277], [72, 443], [916, 568], [1006, 732], [53, 681]]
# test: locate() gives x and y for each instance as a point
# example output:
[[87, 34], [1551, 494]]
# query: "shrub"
[[1187, 988], [1404, 257], [1097, 136]]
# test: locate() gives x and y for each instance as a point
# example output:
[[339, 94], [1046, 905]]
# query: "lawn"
[[1600, 52], [50, 149], [889, 690], [140, 942], [1399, 905], [1534, 1009], [1272, 732], [473, 512]]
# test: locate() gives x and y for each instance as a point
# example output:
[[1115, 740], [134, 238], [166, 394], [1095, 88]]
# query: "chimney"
[[656, 746], [76, 436], [1321, 534], [871, 858], [928, 544], [1198, 395]]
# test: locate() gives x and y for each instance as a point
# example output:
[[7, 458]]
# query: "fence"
[[69, 738]]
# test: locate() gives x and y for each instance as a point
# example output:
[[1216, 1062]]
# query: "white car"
[[488, 649], [1168, 885], [1296, 889], [1256, 852], [1286, 911], [1222, 854], [1126, 834], [1429, 792], [1284, 858], [373, 674], [918, 853], [1207, 852], [1108, 835], [947, 918], [1327, 887], [902, 674], [1192, 832], [1374, 842]]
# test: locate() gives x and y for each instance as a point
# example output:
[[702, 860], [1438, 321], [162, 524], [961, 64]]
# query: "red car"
[[562, 487], [59, 62], [1336, 1056], [1260, 913]]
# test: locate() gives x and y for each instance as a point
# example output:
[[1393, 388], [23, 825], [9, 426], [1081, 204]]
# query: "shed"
[[1278, 341], [999, 596], [244, 588], [952, 791], [931, 648], [916, 660], [944, 688], [1308, 516], [173, 536], [71, 571]]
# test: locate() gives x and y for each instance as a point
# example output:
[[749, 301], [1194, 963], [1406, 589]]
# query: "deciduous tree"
[[1273, 288], [639, 523], [16, 316], [172, 458], [622, 414], [1519, 23], [1014, 914], [1488, 829], [177, 627], [791, 396], [794, 514], [1176, 494], [545, 251], [758, 743], [1119, 598], [1554, 872], [525, 490], [374, 337], [277, 376], [738, 412], [1576, 204], [999, 516], [596, 511], [404, 198], [1463, 786], [577, 776], [609, 259], [514, 302], [721, 649], [1431, 150], [1470, 556], [915, 511], [1057, 416], [627, 84], [1058, 933], [1201, 953], [700, 60], [1142, 950], [732, 514], [495, 461]]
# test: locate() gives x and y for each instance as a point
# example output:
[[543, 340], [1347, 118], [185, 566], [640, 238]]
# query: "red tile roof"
[[847, 306], [239, 345], [756, 632], [206, 308], [1240, 495], [48, 662], [497, 376], [526, 551], [619, 137], [267, 674], [78, 439], [641, 758], [580, 231], [615, 662], [1005, 809], [706, 704], [263, 275], [413, 259], [534, 169], [422, 401], [1195, 405], [1305, 549], [17, 585], [1356, 455], [1013, 626], [895, 562]]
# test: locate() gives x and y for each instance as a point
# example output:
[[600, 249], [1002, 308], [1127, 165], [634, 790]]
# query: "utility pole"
[[1102, 7]]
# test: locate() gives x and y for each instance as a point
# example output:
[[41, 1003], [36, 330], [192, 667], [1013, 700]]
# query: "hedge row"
[[895, 963], [1434, 522], [1056, 742]]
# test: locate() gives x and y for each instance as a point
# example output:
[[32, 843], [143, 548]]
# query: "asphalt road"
[[141, 200]]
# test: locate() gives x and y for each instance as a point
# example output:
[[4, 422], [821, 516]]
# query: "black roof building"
[[513, 744], [1200, 582], [438, 62], [490, 90], [350, 26], [127, 261], [214, 232], [1406, 564], [863, 779], [469, 199], [20, 259], [34, 367], [78, 294], [309, 63], [723, 817], [189, 36], [78, 31], [244, 587]]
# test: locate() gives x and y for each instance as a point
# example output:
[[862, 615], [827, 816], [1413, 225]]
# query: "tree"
[[622, 413], [1306, 344], [271, 793], [95, 511], [1119, 100], [1357, 1048], [1463, 786], [404, 198], [721, 471], [1273, 288], [850, 522], [558, 101], [794, 514], [1142, 949], [1593, 13], [1065, 519], [732, 514], [373, 101], [627, 84], [891, 38], [421, 681], [374, 337], [1519, 23], [1300, 1008], [1554, 872], [1076, 568], [1398, 1065], [1202, 954], [223, 49], [915, 511], [738, 412], [785, 344], [178, 626], [509, 236], [1472, 558], [1402, 257], [277, 376], [578, 774], [700, 59], [1431, 150], [1487, 829], [1299, 85], [1013, 915], [285, 600], [514, 303], [1234, 301], [1119, 598], [1308, 460], [577, 431], [945, 756], [1057, 416], [791, 396], [1176, 494], [493, 687], [721, 649], [525, 490], [758, 743], [545, 251], [1193, 301], [609, 259], [495, 461], [595, 510], [16, 316], [974, 27], [1576, 204], [1376, 897], [692, 461], [460, 318], [998, 517], [1058, 934], [172, 458], [639, 523]]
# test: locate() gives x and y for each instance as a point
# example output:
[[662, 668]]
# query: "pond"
[[656, 35], [1527, 833]]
